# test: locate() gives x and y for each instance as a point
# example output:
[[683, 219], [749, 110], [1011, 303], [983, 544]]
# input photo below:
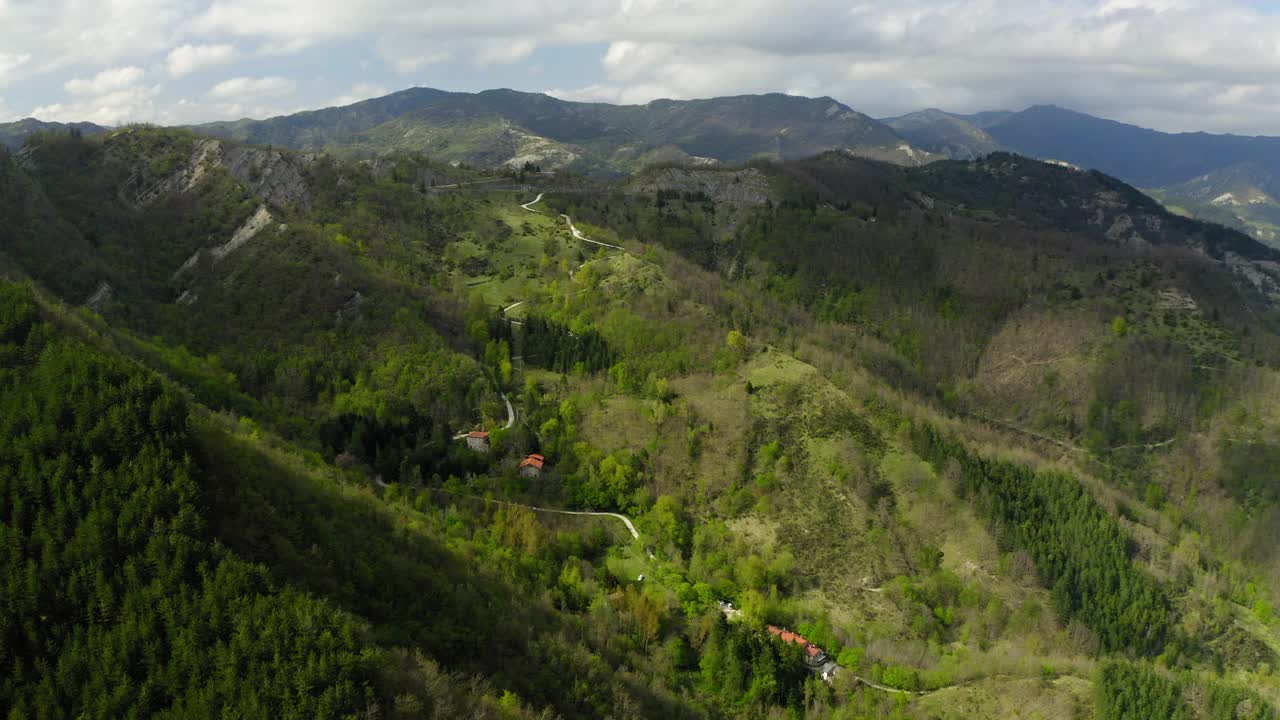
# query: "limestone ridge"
[[177, 167]]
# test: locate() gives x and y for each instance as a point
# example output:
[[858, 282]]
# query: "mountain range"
[[506, 127], [14, 134], [1231, 179], [1224, 178]]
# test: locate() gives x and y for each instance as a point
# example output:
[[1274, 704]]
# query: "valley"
[[996, 434]]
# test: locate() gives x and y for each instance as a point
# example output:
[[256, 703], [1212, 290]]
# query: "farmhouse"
[[813, 654], [532, 465], [478, 440]]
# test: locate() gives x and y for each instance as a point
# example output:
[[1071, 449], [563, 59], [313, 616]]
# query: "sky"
[[1175, 65]]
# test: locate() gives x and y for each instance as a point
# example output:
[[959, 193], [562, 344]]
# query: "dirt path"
[[472, 182], [511, 413], [885, 688], [625, 520], [528, 205], [578, 235]]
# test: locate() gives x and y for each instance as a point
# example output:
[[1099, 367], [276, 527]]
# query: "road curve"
[[626, 521], [578, 234], [511, 413], [536, 200]]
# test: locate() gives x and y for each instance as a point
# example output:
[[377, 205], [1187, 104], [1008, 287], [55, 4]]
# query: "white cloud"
[[240, 88], [1180, 64], [187, 111], [405, 54], [504, 51], [110, 97], [7, 115], [192, 58], [56, 34], [9, 62], [284, 47], [117, 106], [1175, 64], [359, 91], [107, 81]]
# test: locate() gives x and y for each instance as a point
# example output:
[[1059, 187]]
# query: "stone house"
[[532, 465], [478, 441]]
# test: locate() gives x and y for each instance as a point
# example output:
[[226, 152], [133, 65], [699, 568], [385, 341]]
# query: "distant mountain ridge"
[[954, 136], [507, 127], [1230, 179], [14, 134]]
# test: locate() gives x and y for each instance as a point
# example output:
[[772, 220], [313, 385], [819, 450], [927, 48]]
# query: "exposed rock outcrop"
[[274, 177], [247, 232], [748, 186], [100, 298], [277, 178]]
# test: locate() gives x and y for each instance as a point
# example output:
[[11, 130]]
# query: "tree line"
[[1081, 552], [548, 344], [1131, 691]]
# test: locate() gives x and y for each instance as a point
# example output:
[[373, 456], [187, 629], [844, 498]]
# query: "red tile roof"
[[534, 460], [789, 637], [478, 434]]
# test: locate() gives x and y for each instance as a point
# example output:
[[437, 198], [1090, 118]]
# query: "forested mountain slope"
[[506, 127], [1227, 179], [993, 435], [14, 134]]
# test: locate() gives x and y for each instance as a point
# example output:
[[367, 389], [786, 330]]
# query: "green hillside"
[[998, 436]]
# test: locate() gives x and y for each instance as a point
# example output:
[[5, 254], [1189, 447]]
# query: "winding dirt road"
[[578, 234], [625, 520], [535, 201]]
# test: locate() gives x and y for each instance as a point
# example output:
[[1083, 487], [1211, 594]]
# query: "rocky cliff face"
[[165, 164]]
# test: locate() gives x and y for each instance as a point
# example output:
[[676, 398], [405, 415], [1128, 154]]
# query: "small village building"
[[813, 654], [478, 440], [532, 465]]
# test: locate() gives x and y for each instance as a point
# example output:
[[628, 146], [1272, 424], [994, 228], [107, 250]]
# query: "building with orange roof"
[[478, 440], [532, 465], [813, 654]]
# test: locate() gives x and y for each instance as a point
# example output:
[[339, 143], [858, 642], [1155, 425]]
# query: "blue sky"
[[1169, 64]]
